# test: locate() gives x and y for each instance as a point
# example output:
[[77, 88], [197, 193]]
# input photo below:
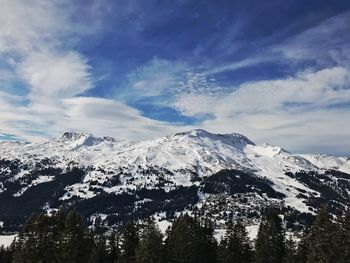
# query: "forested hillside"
[[64, 237]]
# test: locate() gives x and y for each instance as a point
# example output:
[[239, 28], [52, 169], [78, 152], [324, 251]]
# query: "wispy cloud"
[[33, 43], [156, 77], [55, 75], [26, 26], [103, 115], [325, 43], [164, 80], [299, 105]]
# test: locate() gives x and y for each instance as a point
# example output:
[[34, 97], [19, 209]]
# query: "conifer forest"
[[64, 237]]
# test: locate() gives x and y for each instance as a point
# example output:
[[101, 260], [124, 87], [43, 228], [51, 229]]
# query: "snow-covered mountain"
[[216, 175]]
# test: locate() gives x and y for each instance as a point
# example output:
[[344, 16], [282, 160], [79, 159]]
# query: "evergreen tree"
[[269, 246], [302, 247], [322, 239], [150, 247], [94, 256], [45, 243], [5, 254], [76, 243], [99, 251], [130, 241], [18, 253], [28, 242], [207, 243], [113, 248], [345, 238], [190, 242], [290, 251], [61, 237], [235, 246]]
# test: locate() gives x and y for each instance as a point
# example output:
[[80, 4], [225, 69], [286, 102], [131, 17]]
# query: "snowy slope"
[[329, 162], [6, 240], [196, 148], [113, 166]]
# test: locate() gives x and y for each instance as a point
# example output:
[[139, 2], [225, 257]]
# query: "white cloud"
[[53, 75], [160, 77], [105, 116], [26, 25], [156, 77], [323, 87], [195, 103], [317, 88], [326, 43], [87, 114], [238, 65], [276, 110], [35, 49]]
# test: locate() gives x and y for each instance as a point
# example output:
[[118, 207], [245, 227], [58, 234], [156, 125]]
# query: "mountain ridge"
[[80, 169]]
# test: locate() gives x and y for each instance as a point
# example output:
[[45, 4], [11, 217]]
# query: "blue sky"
[[275, 71]]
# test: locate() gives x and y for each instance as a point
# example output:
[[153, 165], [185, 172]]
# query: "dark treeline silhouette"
[[63, 237]]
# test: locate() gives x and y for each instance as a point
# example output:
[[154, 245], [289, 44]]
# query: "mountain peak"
[[74, 135], [235, 138], [194, 132], [79, 139]]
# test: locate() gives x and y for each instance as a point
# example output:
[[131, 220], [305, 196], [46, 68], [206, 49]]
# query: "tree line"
[[63, 237]]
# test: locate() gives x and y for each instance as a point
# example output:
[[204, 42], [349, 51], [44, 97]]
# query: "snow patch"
[[6, 240]]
